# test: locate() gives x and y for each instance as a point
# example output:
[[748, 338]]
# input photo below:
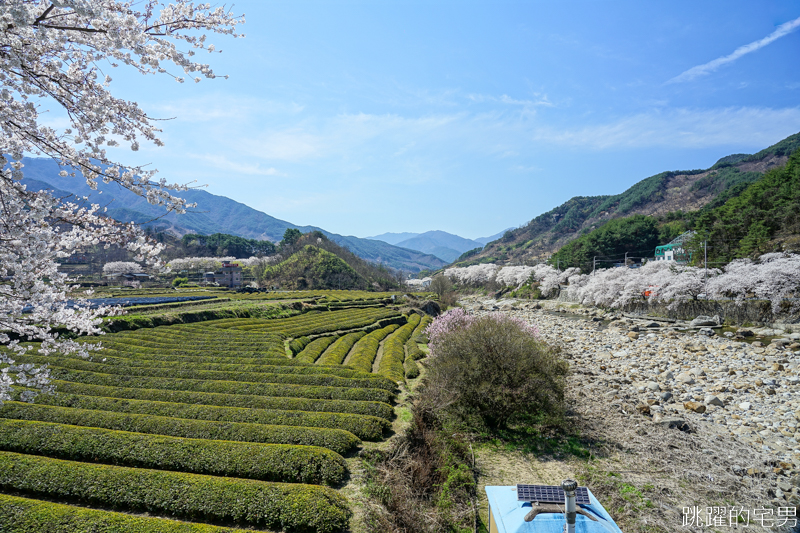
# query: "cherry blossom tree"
[[121, 267], [773, 276], [474, 274], [203, 264], [514, 275], [59, 55]]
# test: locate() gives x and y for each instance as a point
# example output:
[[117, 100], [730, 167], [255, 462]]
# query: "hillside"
[[745, 220], [314, 262], [765, 217], [213, 214], [663, 193]]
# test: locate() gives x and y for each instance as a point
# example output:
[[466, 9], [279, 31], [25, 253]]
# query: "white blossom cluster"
[[512, 276], [418, 284], [209, 264], [59, 54], [774, 277], [474, 274], [121, 267]]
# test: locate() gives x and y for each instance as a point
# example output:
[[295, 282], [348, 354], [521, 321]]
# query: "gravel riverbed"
[[719, 416]]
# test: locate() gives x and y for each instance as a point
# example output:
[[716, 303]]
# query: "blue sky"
[[470, 117]]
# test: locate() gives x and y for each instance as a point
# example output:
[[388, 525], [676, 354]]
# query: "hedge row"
[[378, 409], [363, 353], [61, 366], [189, 348], [287, 506], [316, 322], [296, 345], [247, 365], [337, 353], [420, 334], [225, 387], [134, 322], [25, 515], [315, 348], [266, 462], [363, 426], [410, 367], [412, 349], [337, 440], [394, 352], [241, 358]]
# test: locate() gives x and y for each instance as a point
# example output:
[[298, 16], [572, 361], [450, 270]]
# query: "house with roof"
[[675, 250]]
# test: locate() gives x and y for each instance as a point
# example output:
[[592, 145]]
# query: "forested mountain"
[[745, 221], [213, 214], [314, 262], [659, 195]]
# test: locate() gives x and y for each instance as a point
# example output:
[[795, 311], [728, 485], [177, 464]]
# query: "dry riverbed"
[[680, 427]]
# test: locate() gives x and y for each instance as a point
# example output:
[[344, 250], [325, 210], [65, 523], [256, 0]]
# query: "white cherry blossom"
[[59, 55]]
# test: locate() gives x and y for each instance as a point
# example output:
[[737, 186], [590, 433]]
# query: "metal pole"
[[626, 260], [594, 264], [705, 264], [570, 486]]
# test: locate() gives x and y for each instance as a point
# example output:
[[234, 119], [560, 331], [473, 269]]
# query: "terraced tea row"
[[394, 351], [291, 506], [207, 422]]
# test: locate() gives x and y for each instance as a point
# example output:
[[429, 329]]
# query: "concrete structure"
[[230, 276]]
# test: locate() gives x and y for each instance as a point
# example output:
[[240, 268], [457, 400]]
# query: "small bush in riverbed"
[[493, 370]]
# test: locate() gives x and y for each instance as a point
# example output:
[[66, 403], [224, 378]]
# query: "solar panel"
[[550, 494]]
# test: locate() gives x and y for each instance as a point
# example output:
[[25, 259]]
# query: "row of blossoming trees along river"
[[774, 277]]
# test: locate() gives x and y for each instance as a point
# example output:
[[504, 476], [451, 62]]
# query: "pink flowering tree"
[[492, 370], [58, 56]]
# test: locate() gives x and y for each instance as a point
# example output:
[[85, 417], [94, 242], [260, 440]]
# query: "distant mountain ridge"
[[214, 214], [442, 244], [657, 195]]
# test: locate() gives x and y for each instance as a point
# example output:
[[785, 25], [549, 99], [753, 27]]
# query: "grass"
[[541, 436]]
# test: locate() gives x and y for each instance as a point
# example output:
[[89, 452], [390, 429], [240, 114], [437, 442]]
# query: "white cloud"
[[222, 162], [540, 100], [682, 128], [711, 66], [220, 107]]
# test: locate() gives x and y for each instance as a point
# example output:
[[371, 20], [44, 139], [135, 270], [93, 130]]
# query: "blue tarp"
[[509, 515]]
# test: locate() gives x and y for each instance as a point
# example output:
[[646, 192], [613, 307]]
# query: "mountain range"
[[214, 214], [665, 193], [443, 245]]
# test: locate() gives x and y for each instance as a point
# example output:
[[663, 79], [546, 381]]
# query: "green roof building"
[[675, 249]]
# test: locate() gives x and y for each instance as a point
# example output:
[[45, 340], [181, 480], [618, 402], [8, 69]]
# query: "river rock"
[[652, 386], [697, 407], [710, 399], [685, 377], [672, 422], [703, 320]]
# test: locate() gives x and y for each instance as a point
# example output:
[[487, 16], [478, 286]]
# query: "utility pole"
[[705, 264]]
